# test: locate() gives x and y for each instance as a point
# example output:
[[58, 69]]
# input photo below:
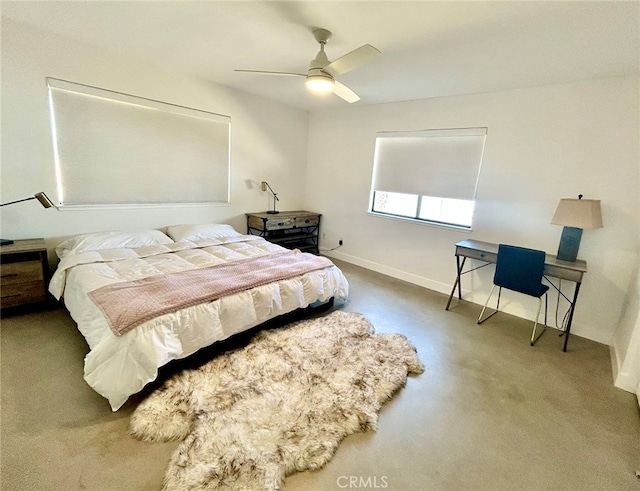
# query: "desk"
[[553, 267]]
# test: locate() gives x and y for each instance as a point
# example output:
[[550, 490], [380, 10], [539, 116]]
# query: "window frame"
[[417, 219], [416, 216], [208, 134]]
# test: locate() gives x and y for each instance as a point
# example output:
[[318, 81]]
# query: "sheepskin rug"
[[281, 404]]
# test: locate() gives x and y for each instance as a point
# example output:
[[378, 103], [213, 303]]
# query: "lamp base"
[[273, 212], [5, 242], [569, 244]]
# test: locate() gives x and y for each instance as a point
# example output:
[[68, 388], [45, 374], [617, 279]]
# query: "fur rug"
[[283, 403]]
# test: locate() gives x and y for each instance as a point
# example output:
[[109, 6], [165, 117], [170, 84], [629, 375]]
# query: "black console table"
[[290, 229]]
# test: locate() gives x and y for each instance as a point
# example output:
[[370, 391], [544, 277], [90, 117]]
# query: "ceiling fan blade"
[[286, 74], [352, 60], [345, 93]]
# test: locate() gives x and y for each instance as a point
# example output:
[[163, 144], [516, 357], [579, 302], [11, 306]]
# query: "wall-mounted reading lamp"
[[264, 185], [575, 215], [41, 197]]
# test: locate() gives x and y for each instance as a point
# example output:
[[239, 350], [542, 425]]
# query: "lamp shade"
[[41, 197], [44, 200], [578, 213]]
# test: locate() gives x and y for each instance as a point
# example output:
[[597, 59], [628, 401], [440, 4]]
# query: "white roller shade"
[[114, 148], [441, 163]]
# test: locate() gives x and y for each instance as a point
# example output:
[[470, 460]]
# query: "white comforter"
[[119, 366]]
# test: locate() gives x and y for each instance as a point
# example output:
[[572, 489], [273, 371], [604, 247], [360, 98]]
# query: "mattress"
[[118, 366]]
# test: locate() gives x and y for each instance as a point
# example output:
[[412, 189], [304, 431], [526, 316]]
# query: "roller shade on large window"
[[440, 163], [117, 149]]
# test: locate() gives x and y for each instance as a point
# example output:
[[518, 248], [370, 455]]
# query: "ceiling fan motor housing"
[[320, 61], [317, 79]]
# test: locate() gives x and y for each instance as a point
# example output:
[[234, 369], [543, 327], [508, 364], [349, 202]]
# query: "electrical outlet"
[[324, 236]]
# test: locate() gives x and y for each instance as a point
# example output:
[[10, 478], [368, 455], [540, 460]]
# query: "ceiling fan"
[[322, 73]]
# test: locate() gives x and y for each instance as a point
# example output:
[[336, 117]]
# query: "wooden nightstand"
[[24, 272], [290, 229]]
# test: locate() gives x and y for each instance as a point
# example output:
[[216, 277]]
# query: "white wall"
[[625, 347], [269, 140], [543, 144]]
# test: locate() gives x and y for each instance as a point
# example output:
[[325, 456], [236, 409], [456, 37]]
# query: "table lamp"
[[41, 197], [575, 215], [264, 185]]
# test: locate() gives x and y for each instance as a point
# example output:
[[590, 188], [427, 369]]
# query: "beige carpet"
[[281, 404], [490, 412]]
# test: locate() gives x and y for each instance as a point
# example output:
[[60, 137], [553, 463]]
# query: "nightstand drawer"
[[280, 223], [24, 273], [308, 221], [20, 272], [23, 293]]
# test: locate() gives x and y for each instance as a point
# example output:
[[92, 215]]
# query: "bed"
[[146, 298]]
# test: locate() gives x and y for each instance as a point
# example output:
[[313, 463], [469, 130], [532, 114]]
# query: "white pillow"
[[204, 231], [111, 240]]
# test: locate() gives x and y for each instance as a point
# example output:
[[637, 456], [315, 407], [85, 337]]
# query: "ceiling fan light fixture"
[[321, 77], [320, 82]]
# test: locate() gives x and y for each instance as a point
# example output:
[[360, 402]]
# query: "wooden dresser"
[[24, 272], [290, 229]]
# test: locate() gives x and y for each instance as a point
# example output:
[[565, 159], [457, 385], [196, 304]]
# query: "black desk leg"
[[457, 282], [573, 308]]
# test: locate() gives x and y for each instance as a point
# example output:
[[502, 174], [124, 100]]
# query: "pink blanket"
[[129, 304]]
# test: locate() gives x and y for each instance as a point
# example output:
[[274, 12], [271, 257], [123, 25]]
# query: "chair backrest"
[[520, 269]]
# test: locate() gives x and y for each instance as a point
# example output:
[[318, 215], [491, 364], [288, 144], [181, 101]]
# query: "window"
[[428, 176], [114, 149]]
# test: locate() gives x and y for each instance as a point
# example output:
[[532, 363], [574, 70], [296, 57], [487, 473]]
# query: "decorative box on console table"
[[290, 229], [24, 273]]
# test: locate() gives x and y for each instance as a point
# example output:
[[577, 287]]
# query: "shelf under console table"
[[290, 229]]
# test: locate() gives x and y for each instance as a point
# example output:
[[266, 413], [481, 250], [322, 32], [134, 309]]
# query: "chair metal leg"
[[535, 324], [480, 319]]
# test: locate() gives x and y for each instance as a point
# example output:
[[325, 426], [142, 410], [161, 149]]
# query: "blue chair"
[[521, 270]]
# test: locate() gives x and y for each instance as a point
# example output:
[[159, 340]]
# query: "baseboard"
[[622, 378], [393, 272], [514, 306], [479, 298]]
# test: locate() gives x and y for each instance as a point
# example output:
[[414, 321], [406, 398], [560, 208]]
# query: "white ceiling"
[[429, 49]]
